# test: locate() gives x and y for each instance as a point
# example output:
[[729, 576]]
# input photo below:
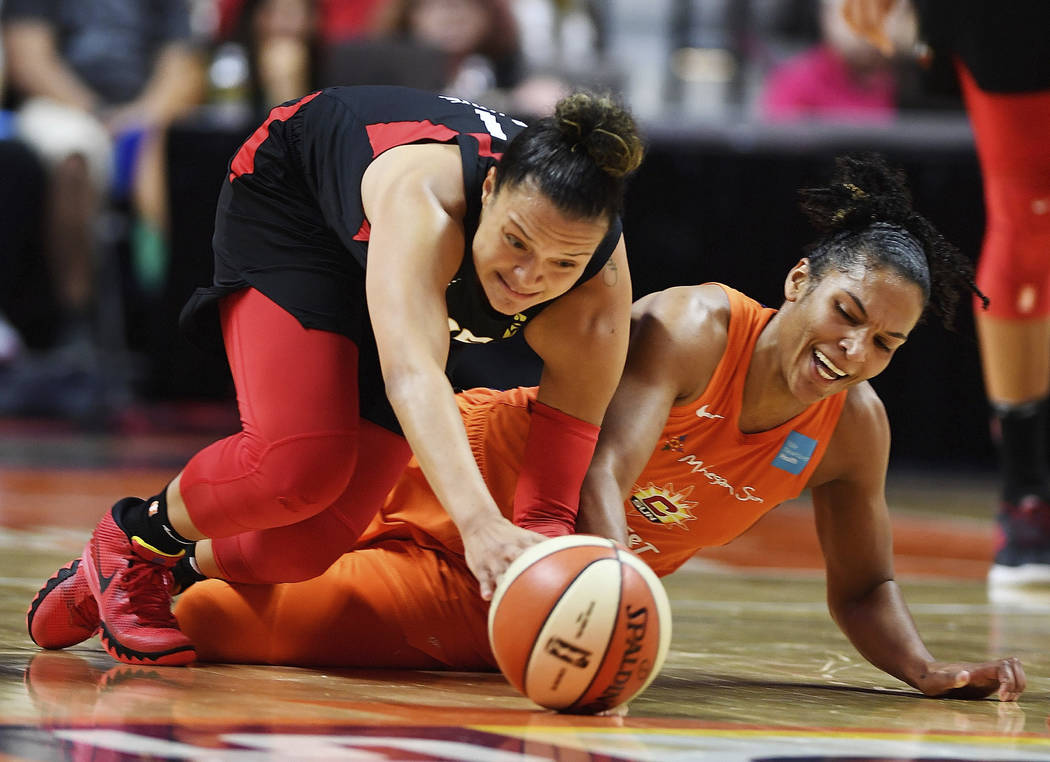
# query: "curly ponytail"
[[865, 216], [579, 157]]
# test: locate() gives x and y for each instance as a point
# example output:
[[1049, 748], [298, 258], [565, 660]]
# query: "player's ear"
[[488, 187], [795, 282]]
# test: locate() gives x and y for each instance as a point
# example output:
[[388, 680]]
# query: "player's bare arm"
[[582, 340], [676, 338], [855, 532], [412, 210]]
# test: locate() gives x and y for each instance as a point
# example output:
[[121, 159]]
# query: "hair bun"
[[602, 128], [863, 190]]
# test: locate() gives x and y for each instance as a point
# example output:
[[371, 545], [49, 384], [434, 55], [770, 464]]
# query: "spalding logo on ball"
[[579, 624]]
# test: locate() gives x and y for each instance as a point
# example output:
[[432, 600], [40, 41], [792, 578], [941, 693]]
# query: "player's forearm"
[[601, 509], [881, 628], [427, 411]]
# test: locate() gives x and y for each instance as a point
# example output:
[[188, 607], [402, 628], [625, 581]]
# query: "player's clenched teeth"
[[826, 368]]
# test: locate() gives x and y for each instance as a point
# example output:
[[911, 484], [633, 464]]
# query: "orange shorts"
[[394, 605]]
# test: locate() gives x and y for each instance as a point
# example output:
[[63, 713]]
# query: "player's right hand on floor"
[[491, 545], [1003, 677]]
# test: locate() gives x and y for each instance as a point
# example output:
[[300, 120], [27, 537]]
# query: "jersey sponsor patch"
[[795, 454]]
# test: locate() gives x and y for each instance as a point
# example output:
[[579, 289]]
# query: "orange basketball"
[[579, 624]]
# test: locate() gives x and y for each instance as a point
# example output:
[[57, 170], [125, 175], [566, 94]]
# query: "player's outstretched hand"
[[1004, 677], [491, 545]]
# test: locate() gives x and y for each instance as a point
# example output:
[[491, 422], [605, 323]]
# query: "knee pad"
[[1014, 269], [307, 472], [238, 484], [290, 553]]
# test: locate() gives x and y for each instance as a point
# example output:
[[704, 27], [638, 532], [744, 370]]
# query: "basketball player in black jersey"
[[358, 232]]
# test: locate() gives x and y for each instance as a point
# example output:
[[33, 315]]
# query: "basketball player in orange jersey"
[[725, 409]]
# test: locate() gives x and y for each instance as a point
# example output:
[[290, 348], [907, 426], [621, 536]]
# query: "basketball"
[[579, 624]]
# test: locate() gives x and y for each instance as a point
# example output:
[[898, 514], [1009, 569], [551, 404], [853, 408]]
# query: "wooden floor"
[[757, 670]]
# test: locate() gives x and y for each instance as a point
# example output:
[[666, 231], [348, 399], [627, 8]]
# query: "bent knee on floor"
[[308, 470]]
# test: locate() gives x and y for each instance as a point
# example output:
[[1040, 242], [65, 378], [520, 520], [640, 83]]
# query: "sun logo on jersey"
[[675, 444], [664, 505]]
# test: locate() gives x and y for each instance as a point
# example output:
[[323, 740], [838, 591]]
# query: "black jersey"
[[290, 221]]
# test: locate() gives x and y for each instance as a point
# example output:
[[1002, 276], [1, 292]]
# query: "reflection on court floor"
[[757, 670]]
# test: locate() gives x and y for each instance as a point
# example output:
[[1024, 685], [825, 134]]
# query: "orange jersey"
[[707, 482], [704, 485]]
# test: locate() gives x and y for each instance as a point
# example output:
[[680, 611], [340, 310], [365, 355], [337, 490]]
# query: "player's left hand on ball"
[[1003, 677], [490, 547]]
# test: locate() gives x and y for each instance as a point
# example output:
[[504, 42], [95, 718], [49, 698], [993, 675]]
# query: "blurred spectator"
[[842, 78], [342, 20], [10, 341], [337, 20], [477, 40], [95, 84], [18, 199], [561, 49], [276, 42], [559, 35], [27, 300], [269, 51]]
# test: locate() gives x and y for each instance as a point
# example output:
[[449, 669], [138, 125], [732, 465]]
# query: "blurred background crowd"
[[120, 115]]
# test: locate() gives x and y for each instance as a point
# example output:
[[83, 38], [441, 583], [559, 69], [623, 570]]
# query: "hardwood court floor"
[[756, 670]]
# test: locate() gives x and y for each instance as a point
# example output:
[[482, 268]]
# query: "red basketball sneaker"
[[132, 583], [64, 611]]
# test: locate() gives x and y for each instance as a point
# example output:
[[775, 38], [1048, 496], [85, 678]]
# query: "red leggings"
[[1011, 133], [290, 493]]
